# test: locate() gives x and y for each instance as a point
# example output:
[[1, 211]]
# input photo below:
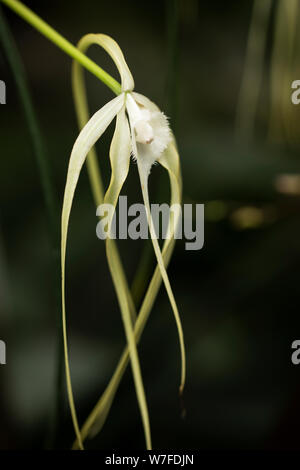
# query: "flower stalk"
[[46, 30]]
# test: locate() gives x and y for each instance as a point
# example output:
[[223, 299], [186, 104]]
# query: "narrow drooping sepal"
[[95, 421], [86, 139]]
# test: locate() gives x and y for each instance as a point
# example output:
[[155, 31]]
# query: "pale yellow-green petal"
[[86, 139], [96, 419], [82, 110], [113, 49], [143, 172], [81, 105], [120, 157]]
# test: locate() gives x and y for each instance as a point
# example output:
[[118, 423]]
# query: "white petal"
[[150, 128], [144, 101], [120, 151], [86, 139], [134, 111]]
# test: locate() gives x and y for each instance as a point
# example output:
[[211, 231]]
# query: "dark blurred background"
[[238, 296]]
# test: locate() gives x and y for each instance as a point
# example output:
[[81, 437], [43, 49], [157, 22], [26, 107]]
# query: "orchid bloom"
[[142, 131]]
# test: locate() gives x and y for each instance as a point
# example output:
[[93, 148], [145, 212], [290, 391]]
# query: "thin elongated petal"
[[81, 105], [80, 97], [91, 132], [120, 151], [86, 139], [113, 49], [144, 173], [120, 157], [95, 421], [144, 164]]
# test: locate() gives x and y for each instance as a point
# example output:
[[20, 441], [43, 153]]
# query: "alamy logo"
[[2, 92], [295, 358], [2, 352], [137, 227]]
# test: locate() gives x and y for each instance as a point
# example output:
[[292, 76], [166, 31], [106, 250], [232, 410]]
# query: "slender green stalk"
[[50, 33], [49, 195]]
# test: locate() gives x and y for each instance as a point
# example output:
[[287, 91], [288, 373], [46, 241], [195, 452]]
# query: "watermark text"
[[176, 221]]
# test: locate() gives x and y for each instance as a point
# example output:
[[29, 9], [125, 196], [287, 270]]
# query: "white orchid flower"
[[142, 131]]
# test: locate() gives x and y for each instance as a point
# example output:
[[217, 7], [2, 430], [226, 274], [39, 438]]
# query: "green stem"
[[50, 33], [51, 202]]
